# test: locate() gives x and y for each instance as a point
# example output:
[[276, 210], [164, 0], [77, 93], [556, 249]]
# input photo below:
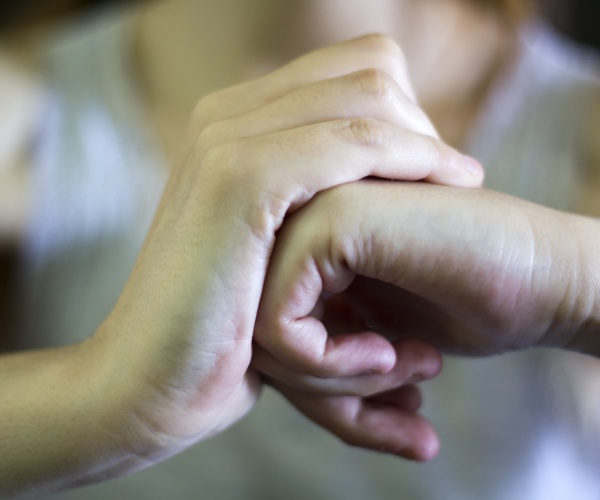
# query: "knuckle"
[[243, 179], [226, 159], [204, 110], [208, 137], [377, 84], [241, 163], [387, 49], [382, 43], [212, 108], [254, 166], [220, 154], [435, 148], [365, 132]]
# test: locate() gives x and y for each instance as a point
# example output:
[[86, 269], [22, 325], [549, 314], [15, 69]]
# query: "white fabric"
[[98, 180]]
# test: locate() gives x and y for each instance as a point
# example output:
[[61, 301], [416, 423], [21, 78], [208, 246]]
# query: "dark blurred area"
[[8, 292], [14, 15], [578, 19]]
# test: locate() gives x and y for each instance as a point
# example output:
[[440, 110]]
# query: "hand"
[[470, 271], [178, 344]]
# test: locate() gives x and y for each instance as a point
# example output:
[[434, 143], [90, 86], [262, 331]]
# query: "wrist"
[[580, 320], [128, 399], [56, 426]]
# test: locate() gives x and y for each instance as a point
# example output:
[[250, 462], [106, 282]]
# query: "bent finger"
[[327, 154], [369, 424], [368, 93], [415, 361], [377, 52]]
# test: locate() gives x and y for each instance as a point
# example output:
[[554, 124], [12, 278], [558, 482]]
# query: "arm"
[[170, 365]]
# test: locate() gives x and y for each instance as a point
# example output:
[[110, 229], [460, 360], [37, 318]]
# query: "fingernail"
[[472, 166]]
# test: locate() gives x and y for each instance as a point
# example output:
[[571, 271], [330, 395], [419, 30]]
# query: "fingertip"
[[425, 450], [470, 174], [459, 171], [426, 359], [473, 167], [429, 447]]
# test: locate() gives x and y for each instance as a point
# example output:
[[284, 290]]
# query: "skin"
[[450, 37], [170, 364], [305, 365], [175, 352], [473, 272], [155, 353]]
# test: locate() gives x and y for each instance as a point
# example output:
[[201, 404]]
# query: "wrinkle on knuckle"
[[267, 206], [365, 132], [377, 85]]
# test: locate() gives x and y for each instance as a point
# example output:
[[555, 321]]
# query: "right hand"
[[468, 271], [178, 343]]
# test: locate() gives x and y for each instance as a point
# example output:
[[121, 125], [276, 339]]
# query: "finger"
[[320, 356], [368, 93], [377, 52], [318, 157], [415, 361], [328, 154], [369, 424], [407, 397]]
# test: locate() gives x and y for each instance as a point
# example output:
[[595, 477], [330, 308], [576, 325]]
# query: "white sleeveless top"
[[99, 178]]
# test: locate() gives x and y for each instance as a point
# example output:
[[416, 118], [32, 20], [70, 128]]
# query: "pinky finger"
[[369, 423]]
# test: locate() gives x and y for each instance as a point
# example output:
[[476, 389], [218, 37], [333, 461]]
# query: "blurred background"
[[247, 461], [579, 19]]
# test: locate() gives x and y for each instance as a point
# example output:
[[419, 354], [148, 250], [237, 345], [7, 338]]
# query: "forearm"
[[59, 422], [582, 327]]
